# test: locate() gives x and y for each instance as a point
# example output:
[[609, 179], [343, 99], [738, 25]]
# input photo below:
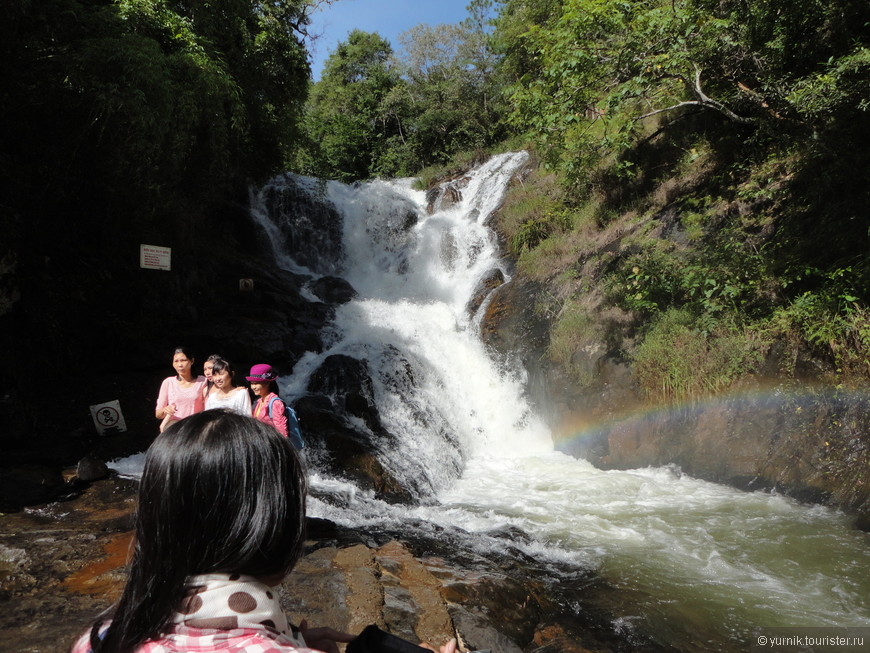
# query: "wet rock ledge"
[[62, 563]]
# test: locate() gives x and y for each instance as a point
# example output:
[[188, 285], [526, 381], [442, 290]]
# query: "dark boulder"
[[333, 290], [90, 468], [310, 225], [345, 450], [445, 195], [347, 382], [29, 484]]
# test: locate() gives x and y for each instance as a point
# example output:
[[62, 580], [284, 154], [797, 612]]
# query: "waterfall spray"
[[704, 564]]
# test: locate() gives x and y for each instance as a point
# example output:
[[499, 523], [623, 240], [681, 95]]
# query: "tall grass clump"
[[677, 361], [531, 212]]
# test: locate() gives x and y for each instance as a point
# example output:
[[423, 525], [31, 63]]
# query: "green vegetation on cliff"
[[381, 110], [700, 203]]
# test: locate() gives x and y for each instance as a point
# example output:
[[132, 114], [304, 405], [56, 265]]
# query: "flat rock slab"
[[63, 563]]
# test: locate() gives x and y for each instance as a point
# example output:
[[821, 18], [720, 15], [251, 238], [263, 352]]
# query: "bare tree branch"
[[703, 100], [687, 103]]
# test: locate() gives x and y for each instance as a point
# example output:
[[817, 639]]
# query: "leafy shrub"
[[832, 318], [842, 84], [532, 212], [725, 278], [648, 281]]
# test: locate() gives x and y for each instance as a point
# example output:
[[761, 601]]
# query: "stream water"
[[701, 565]]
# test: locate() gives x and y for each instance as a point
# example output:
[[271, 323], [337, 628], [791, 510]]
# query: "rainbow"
[[800, 404]]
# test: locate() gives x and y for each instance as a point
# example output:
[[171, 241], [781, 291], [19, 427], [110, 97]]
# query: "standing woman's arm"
[[279, 417], [163, 399]]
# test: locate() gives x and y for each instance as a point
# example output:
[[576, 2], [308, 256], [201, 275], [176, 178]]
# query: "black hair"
[[221, 364], [220, 493], [211, 359], [183, 350], [187, 352]]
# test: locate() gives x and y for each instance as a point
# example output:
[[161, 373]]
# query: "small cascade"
[[416, 383]]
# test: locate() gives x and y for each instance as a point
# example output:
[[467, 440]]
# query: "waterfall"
[[703, 564], [710, 562], [415, 273]]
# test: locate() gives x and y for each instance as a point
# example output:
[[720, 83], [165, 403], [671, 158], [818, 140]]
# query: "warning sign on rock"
[[153, 257], [108, 417]]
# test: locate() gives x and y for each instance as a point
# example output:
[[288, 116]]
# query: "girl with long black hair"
[[220, 522]]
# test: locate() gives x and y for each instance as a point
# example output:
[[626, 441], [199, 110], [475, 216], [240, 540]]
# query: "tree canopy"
[[349, 123], [128, 122], [378, 111], [781, 67]]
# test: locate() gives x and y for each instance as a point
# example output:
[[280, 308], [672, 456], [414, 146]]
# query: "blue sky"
[[389, 18]]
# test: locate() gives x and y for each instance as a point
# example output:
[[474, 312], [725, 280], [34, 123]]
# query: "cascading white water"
[[703, 564], [414, 284], [707, 562]]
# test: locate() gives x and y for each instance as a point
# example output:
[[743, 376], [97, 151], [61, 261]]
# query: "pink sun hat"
[[262, 373]]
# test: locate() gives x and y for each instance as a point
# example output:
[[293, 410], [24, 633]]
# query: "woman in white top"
[[224, 394]]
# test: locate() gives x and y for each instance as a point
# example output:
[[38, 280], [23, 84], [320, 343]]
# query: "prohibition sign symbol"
[[108, 416]]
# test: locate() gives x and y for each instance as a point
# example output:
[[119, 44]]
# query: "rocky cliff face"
[[782, 431], [805, 441]]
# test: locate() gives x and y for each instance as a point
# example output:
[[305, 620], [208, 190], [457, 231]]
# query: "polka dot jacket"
[[230, 614]]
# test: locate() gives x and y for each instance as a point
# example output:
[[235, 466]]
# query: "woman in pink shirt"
[[270, 408], [263, 379], [180, 395]]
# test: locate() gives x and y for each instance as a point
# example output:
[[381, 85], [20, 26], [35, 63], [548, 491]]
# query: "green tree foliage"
[[155, 92], [379, 112], [131, 121], [454, 90], [586, 73], [450, 85], [260, 42], [350, 121]]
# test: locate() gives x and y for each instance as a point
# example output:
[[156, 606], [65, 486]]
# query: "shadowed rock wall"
[[806, 441]]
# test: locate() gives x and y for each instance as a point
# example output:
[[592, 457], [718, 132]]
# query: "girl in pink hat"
[[270, 408]]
